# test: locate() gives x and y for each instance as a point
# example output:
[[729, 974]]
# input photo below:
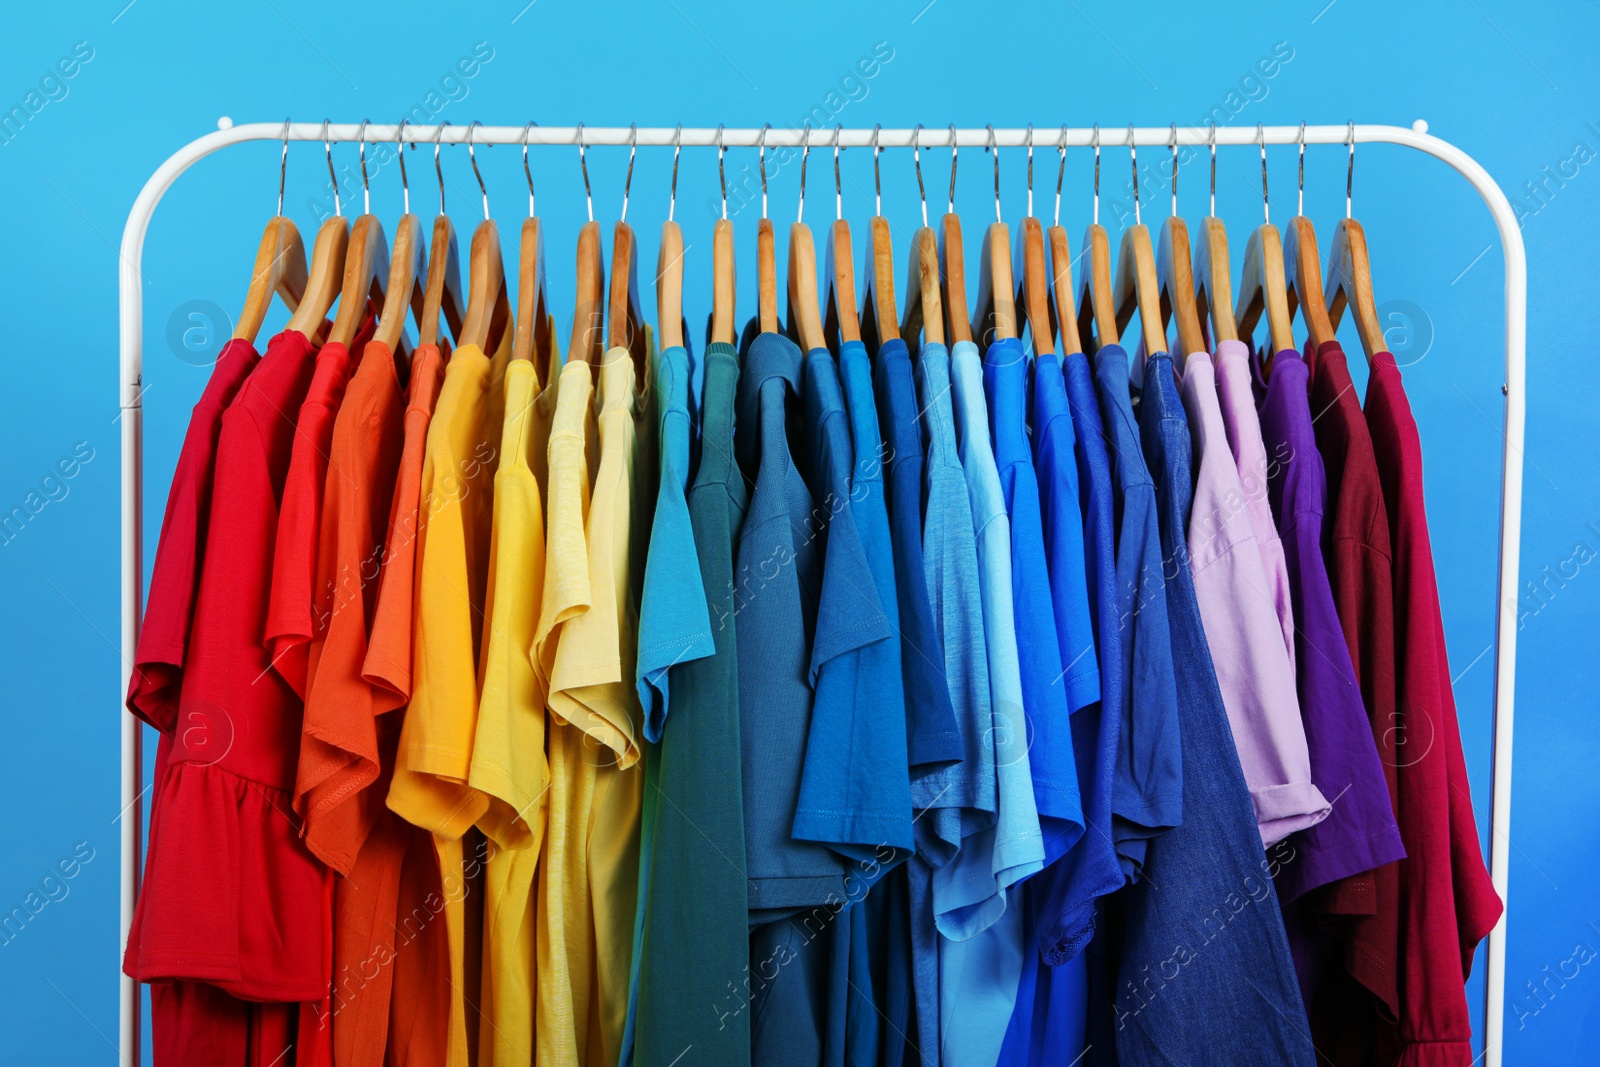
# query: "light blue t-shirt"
[[980, 972]]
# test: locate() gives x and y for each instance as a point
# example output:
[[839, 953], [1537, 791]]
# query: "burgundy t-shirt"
[[1447, 902]]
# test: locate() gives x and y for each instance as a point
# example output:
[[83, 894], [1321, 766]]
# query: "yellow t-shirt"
[[508, 757], [588, 880], [432, 765]]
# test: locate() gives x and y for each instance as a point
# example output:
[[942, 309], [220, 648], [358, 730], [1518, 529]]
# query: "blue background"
[[1513, 84]]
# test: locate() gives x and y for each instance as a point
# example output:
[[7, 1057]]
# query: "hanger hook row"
[[994, 147], [327, 147], [1300, 196], [677, 150], [877, 181], [955, 155], [1061, 171], [1094, 142], [283, 165], [1349, 168], [761, 165], [1133, 154], [526, 130], [627, 183], [472, 154], [438, 172], [400, 150], [583, 165], [805, 155], [916, 158], [838, 188], [1266, 204], [722, 176], [366, 193]]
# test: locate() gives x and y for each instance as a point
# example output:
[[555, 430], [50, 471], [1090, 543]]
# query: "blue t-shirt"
[[1205, 919], [1147, 795], [933, 739], [855, 792], [777, 589], [1044, 698]]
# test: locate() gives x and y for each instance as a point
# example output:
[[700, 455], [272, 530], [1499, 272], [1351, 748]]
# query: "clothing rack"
[[131, 386]]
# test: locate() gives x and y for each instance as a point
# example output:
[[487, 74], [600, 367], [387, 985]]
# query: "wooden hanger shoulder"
[[408, 265], [766, 276], [1213, 280], [1097, 312], [280, 268], [442, 293], [1175, 274], [924, 313], [486, 283], [804, 316], [327, 274], [588, 314], [669, 286], [1263, 290], [1063, 305], [1035, 288], [952, 264], [880, 297], [531, 307], [1350, 284], [841, 317], [996, 319], [723, 327], [1136, 288], [1303, 264]]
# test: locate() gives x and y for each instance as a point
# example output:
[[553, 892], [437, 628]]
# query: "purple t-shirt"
[[1360, 833], [1242, 629]]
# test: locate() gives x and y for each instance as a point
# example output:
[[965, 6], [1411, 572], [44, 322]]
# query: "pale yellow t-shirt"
[[432, 765], [508, 756], [588, 880]]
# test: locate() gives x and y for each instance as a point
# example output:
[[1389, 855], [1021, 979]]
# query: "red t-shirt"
[[1358, 994], [290, 623], [1447, 903], [231, 896]]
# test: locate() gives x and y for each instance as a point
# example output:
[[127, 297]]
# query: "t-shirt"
[[696, 906], [932, 737], [777, 584], [1356, 956], [157, 676], [1204, 964], [1360, 832], [979, 972], [1448, 902], [231, 896], [508, 754], [1236, 397], [855, 790], [291, 609], [1147, 794], [1242, 630], [433, 760], [588, 881]]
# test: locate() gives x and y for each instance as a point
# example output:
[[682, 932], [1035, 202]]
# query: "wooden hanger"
[[533, 309], [624, 317], [327, 263], [996, 317], [1063, 306], [1213, 274], [766, 254], [840, 319], [408, 267], [1137, 286], [366, 264], [1097, 315], [588, 333], [724, 328], [280, 268], [880, 321], [1175, 274], [1350, 272], [488, 306], [1262, 286], [805, 320], [924, 314], [442, 291], [952, 267], [669, 266], [1034, 292], [1303, 266]]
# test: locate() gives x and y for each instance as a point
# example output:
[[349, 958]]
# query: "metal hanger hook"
[[400, 150], [1061, 171], [1030, 170], [838, 188], [1300, 195], [1094, 142], [994, 147], [916, 158], [627, 183], [1349, 170], [472, 154], [805, 154], [761, 165], [1133, 154], [955, 155], [877, 181], [722, 175], [283, 165], [366, 193], [526, 130], [1174, 146], [1212, 141], [438, 171], [677, 150], [583, 165], [327, 146], [1261, 139]]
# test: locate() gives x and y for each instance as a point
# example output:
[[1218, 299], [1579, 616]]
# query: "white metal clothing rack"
[[1046, 136]]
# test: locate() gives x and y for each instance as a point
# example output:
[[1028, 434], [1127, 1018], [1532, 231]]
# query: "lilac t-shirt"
[[1242, 628], [1360, 833], [1255, 469]]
